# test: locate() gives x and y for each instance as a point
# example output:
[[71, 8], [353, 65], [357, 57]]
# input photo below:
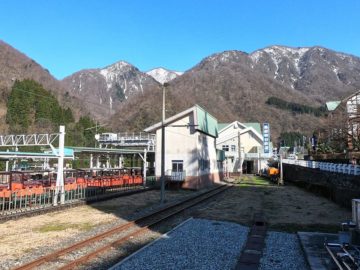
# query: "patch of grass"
[[56, 227], [253, 181]]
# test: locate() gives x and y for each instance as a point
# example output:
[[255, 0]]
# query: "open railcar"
[[23, 183]]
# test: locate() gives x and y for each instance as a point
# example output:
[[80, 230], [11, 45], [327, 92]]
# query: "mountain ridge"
[[163, 75], [232, 85]]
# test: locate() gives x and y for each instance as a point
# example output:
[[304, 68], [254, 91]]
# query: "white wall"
[[207, 151], [187, 144], [180, 144]]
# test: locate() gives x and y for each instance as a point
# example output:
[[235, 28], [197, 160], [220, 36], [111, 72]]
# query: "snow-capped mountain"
[[106, 88], [318, 72], [237, 85], [163, 75]]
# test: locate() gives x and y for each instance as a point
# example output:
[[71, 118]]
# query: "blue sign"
[[266, 136]]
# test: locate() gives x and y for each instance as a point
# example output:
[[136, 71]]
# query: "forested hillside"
[[33, 109]]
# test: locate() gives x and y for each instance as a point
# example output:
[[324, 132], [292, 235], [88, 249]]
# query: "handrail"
[[326, 166]]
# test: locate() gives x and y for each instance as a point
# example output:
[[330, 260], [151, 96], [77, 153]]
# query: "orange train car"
[[22, 183]]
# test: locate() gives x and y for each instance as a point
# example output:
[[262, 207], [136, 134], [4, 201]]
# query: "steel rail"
[[119, 228], [146, 228], [333, 257]]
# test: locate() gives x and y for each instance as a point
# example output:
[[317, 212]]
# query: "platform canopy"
[[68, 154]]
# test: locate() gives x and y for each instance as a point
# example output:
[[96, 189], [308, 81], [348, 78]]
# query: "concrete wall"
[[191, 146], [202, 181], [180, 144], [341, 188]]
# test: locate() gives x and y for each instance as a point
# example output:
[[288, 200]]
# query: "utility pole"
[[281, 171], [162, 191], [240, 158], [60, 172]]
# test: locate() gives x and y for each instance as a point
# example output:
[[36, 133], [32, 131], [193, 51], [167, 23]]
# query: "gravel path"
[[196, 244], [282, 252]]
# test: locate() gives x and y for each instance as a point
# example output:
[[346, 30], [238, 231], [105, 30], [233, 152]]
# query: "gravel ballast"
[[282, 252], [196, 244]]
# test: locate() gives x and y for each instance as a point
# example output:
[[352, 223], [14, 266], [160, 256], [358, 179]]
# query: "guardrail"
[[28, 200], [326, 166]]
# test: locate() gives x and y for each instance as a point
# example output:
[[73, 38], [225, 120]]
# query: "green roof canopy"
[[332, 105], [206, 122]]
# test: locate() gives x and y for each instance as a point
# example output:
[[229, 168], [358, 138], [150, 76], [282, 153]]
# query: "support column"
[[144, 172], [107, 161], [259, 162], [281, 172], [121, 160], [91, 160], [60, 172], [97, 161]]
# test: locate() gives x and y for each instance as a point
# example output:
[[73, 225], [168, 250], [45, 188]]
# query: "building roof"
[[254, 125], [332, 105], [203, 121], [68, 154]]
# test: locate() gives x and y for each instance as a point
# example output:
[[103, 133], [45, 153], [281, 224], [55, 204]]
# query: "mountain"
[[107, 88], [232, 85], [163, 75], [15, 65], [235, 85], [318, 72]]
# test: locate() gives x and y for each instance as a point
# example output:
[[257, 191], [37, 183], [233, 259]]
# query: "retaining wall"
[[341, 188]]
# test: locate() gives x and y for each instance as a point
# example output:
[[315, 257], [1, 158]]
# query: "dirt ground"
[[286, 208], [26, 235]]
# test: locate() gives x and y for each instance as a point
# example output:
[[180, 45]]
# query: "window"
[[225, 147], [177, 165], [233, 148], [204, 164]]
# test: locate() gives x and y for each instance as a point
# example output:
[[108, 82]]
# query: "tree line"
[[296, 107], [31, 107]]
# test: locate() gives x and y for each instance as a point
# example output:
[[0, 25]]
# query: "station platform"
[[314, 249]]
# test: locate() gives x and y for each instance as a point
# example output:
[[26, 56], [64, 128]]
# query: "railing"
[[176, 176], [126, 136], [28, 139], [31, 200], [129, 139], [326, 166]]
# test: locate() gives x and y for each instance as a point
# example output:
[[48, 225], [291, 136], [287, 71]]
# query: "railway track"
[[82, 252]]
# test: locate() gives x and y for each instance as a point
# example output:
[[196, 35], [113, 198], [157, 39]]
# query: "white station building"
[[191, 157], [246, 146]]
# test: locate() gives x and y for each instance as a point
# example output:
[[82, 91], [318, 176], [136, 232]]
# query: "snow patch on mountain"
[[163, 75], [278, 53]]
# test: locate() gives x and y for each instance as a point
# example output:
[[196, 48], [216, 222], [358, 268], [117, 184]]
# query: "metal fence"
[[326, 166], [27, 200]]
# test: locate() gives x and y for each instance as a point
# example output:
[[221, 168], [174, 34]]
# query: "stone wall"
[[341, 188]]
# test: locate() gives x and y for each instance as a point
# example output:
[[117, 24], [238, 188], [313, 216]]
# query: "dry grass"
[[50, 230], [285, 207]]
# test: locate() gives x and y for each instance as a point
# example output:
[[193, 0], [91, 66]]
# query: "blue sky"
[[65, 36]]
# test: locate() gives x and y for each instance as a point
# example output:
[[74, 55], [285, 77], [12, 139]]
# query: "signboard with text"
[[266, 135]]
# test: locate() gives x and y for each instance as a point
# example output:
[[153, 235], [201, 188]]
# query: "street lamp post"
[[162, 191]]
